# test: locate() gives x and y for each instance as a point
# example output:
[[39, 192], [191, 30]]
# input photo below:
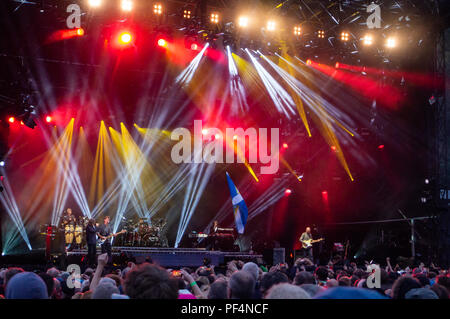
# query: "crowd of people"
[[339, 279]]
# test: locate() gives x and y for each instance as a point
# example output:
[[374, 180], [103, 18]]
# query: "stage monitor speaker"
[[279, 256]]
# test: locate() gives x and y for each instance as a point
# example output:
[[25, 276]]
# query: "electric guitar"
[[308, 243], [103, 239]]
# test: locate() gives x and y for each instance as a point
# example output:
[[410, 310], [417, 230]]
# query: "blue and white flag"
[[239, 208]]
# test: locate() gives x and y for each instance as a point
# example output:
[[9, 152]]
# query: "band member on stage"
[[214, 240], [103, 231], [304, 238], [91, 240], [68, 224]]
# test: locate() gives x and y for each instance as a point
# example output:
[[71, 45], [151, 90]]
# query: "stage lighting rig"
[[297, 30], [94, 3], [187, 14], [127, 5], [214, 18], [157, 8], [243, 21]]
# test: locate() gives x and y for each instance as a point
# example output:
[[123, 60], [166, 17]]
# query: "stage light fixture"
[[381, 146], [11, 119], [194, 46], [162, 43], [95, 3], [288, 191], [391, 43], [80, 32], [127, 5], [125, 38], [297, 30], [285, 145], [187, 14], [205, 131], [427, 181], [271, 25], [368, 40], [2, 163], [48, 118], [217, 136], [345, 36], [243, 21], [308, 62], [235, 137], [337, 65], [157, 9], [214, 18], [321, 34], [333, 148]]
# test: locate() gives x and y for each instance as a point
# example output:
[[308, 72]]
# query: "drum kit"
[[142, 234]]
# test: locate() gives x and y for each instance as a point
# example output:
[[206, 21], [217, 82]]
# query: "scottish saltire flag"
[[239, 208]]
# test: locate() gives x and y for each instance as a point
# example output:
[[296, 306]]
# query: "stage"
[[173, 257]]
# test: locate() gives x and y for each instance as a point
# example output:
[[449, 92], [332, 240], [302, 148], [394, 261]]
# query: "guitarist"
[[103, 231], [304, 238]]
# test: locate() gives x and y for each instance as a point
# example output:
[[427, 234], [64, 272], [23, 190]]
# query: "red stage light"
[[324, 193], [22, 123], [125, 38], [380, 146], [11, 119], [337, 65], [287, 191], [333, 148], [48, 119], [162, 43], [308, 62], [285, 145], [80, 32]]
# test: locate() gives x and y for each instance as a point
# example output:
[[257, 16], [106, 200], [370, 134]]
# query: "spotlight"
[[205, 131], [288, 191], [217, 136], [391, 43], [285, 145], [333, 148], [243, 22], [194, 46], [337, 65], [162, 43], [48, 119], [368, 40], [427, 181], [297, 30], [95, 3], [271, 26], [308, 62], [324, 193], [127, 5], [125, 38], [11, 119], [157, 9], [381, 146], [2, 163], [80, 32], [345, 36], [187, 14], [235, 137], [321, 34], [214, 18]]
